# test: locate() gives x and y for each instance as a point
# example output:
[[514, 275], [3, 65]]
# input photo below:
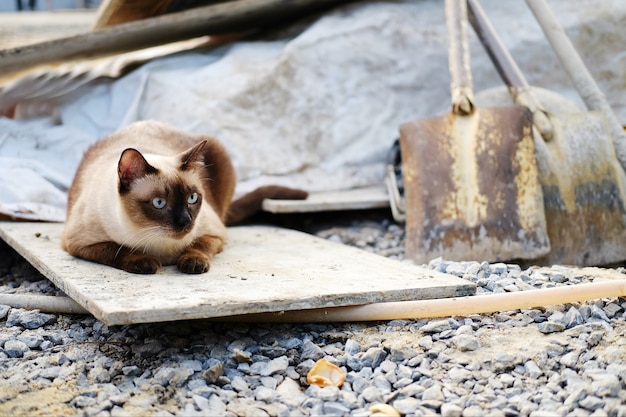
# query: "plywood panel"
[[355, 199], [263, 269]]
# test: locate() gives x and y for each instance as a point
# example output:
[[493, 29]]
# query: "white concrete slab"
[[263, 269], [354, 199]]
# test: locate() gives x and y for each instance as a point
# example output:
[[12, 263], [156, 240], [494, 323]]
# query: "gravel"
[[555, 361]]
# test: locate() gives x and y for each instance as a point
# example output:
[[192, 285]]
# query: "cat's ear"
[[192, 155], [131, 166]]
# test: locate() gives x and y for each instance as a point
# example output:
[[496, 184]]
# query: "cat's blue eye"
[[193, 198], [158, 202]]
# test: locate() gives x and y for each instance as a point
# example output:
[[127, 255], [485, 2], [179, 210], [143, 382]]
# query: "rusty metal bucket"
[[582, 179], [470, 176]]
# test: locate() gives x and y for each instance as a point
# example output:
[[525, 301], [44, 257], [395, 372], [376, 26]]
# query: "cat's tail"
[[249, 204]]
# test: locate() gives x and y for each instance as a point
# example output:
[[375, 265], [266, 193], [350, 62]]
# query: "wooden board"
[[355, 199], [114, 12], [223, 18], [263, 269]]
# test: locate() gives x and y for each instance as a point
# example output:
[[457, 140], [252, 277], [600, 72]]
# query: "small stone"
[[594, 338], [265, 394], [611, 309], [474, 411], [131, 370], [372, 394], [82, 401], [433, 393], [329, 394], [532, 369], [244, 408], [335, 409], [436, 326], [46, 344], [176, 376], [239, 384], [51, 372], [570, 359], [240, 356], [459, 374], [596, 312], [211, 406], [451, 410], [466, 342], [382, 384], [290, 393], [148, 349], [272, 352], [401, 354], [402, 382], [29, 319], [214, 372], [304, 367], [373, 357], [426, 342], [507, 380], [575, 397], [573, 318], [406, 406], [4, 310], [352, 347], [311, 351], [591, 403], [271, 367], [455, 269], [32, 341], [100, 375], [505, 361], [605, 385], [15, 348], [354, 363], [550, 327], [558, 317]]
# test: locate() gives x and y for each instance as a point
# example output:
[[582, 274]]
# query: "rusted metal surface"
[[472, 188], [584, 192], [579, 170], [470, 176]]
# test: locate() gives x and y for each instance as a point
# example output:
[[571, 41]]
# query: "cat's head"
[[165, 193]]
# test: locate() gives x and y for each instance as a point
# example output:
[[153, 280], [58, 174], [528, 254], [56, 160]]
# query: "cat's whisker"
[[140, 237], [148, 234], [207, 179]]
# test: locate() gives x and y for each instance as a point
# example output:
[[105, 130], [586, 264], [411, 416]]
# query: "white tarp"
[[317, 111]]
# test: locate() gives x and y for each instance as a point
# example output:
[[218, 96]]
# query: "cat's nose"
[[182, 220]]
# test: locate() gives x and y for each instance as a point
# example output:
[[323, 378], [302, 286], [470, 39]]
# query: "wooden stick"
[[443, 307], [446, 307], [43, 303], [229, 17]]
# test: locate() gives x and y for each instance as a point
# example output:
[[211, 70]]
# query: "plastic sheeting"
[[317, 111]]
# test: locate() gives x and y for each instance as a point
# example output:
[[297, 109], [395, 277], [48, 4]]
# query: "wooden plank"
[[355, 199], [222, 18], [19, 29], [114, 12], [263, 269]]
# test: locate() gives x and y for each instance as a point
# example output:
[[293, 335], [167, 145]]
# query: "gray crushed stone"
[[554, 361]]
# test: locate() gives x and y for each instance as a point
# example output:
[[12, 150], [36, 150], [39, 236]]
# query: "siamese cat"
[[152, 195]]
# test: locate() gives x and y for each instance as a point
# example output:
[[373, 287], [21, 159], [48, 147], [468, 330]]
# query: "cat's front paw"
[[143, 264], [193, 263]]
